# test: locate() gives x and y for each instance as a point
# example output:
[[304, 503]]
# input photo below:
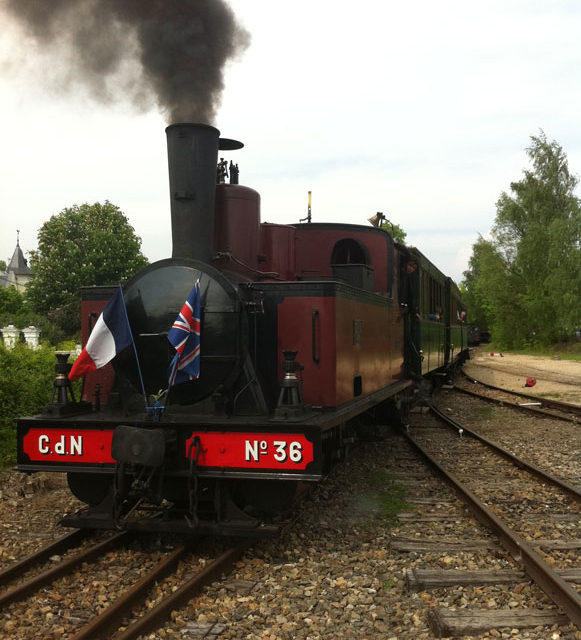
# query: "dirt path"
[[558, 379]]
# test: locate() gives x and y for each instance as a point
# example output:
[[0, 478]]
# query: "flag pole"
[[134, 350], [169, 387]]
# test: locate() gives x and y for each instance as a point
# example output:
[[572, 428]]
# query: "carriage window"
[[349, 251]]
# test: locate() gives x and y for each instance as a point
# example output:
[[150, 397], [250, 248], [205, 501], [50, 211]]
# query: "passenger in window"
[[407, 302], [437, 316]]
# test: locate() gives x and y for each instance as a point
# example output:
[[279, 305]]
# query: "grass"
[[554, 396], [387, 495], [484, 413]]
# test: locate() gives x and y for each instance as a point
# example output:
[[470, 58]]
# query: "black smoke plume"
[[168, 52]]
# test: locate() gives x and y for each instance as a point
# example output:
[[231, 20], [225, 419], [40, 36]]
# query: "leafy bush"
[[15, 309], [26, 383]]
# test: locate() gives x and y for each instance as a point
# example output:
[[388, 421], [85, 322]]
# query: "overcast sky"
[[421, 110]]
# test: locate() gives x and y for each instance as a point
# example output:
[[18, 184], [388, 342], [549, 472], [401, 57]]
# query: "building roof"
[[18, 264]]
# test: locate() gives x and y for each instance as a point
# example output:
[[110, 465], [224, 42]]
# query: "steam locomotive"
[[311, 334]]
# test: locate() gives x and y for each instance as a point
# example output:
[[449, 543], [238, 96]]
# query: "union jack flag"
[[185, 338]]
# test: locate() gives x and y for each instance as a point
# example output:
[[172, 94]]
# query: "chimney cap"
[[227, 144]]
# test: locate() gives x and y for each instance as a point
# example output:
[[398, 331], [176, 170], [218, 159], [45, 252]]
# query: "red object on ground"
[[531, 382]]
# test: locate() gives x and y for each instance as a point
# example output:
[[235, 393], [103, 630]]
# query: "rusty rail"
[[101, 623], [565, 407], [58, 546], [33, 583], [153, 619], [551, 583], [572, 490]]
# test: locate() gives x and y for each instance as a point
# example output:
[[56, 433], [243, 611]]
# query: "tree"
[[16, 309], [11, 301], [539, 231], [491, 295], [531, 293], [397, 232], [81, 246], [472, 297]]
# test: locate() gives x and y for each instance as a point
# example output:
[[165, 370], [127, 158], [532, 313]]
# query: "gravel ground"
[[555, 378], [554, 444], [337, 571], [31, 507], [338, 574]]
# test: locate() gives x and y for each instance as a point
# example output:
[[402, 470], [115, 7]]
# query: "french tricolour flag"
[[111, 334]]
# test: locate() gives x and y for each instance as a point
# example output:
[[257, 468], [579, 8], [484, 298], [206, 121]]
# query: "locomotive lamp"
[[62, 401], [377, 219], [290, 399]]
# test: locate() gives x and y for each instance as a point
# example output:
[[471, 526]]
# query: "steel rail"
[[58, 546], [551, 583], [179, 598], [573, 409], [28, 586], [565, 406], [519, 462], [545, 413], [111, 615]]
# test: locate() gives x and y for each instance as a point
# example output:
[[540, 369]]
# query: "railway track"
[[520, 401], [335, 569], [66, 556], [536, 516]]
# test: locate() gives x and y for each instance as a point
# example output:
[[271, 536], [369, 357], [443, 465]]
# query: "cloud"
[[421, 110]]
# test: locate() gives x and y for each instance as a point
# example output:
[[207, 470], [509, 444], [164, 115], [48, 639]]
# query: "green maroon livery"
[[311, 335]]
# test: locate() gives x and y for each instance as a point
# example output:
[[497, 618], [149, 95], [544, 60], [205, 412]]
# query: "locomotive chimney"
[[192, 158]]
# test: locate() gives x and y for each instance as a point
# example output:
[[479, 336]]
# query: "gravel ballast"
[[339, 570]]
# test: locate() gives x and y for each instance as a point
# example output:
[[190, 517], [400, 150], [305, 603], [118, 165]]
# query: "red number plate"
[[253, 450]]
